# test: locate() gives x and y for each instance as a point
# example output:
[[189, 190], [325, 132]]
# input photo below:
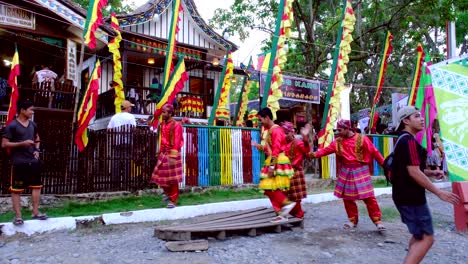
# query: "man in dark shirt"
[[410, 181], [22, 139]]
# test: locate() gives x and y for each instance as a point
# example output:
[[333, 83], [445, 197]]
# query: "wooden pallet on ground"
[[249, 222]]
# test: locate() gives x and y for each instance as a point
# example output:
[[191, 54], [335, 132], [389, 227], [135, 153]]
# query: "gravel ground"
[[321, 241]]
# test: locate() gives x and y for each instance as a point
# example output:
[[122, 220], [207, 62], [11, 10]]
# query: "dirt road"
[[321, 241]]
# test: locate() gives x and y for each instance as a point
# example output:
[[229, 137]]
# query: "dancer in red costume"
[[277, 170], [168, 170], [354, 152], [296, 150]]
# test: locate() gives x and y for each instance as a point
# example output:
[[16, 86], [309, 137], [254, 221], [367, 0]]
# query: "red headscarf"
[[168, 108], [287, 126], [345, 124]]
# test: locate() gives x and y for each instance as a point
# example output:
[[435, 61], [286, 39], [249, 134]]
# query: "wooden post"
[[206, 91], [78, 85]]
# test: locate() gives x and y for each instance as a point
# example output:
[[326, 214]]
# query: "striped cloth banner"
[[203, 157], [237, 153]]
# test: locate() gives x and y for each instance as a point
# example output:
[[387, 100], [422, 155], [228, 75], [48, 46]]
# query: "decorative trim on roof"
[[157, 7], [139, 18], [68, 14], [204, 27]]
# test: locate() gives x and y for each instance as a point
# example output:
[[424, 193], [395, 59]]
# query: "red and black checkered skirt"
[[297, 191], [165, 174]]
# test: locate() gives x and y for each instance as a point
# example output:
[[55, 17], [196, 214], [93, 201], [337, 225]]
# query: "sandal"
[[349, 225], [279, 219], [39, 217], [380, 227], [18, 221]]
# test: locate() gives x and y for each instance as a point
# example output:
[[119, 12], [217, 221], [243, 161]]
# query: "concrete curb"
[[31, 227]]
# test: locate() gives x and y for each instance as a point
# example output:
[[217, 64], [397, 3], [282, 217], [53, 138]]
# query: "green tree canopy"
[[315, 30]]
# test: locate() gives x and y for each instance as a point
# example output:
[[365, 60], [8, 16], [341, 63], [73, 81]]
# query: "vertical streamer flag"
[[417, 75], [275, 93], [114, 46], [425, 101], [177, 9], [244, 96], [13, 82], [326, 134], [88, 108], [222, 111], [383, 67], [93, 21], [245, 100], [174, 86]]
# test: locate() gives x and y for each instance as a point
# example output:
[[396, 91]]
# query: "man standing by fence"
[[296, 150], [168, 170], [277, 169], [121, 130], [22, 138], [354, 152]]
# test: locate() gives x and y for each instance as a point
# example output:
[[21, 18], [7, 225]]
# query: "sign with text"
[[71, 62], [297, 89], [13, 16]]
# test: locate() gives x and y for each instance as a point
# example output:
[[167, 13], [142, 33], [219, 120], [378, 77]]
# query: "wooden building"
[[143, 49]]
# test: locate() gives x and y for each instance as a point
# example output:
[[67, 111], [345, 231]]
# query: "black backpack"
[[387, 164]]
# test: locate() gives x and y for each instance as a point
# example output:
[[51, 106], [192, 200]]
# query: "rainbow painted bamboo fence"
[[384, 143], [224, 156], [220, 155]]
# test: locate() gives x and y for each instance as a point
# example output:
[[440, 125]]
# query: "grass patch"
[[132, 203], [390, 214], [123, 204]]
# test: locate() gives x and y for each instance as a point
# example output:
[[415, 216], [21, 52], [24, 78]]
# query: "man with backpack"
[[410, 181], [168, 170], [354, 152]]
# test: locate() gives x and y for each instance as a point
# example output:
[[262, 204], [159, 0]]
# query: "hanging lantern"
[[151, 61], [215, 61]]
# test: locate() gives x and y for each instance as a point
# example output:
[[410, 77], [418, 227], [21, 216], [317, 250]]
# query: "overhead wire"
[[151, 47]]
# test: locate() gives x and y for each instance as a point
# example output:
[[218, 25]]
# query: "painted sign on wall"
[[13, 16], [297, 89]]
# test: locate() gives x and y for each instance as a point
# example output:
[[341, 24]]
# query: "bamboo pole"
[[218, 90], [273, 51], [333, 72]]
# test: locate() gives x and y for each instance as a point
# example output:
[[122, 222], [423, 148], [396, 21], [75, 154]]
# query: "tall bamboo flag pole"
[[174, 29], [278, 57], [172, 41], [93, 21], [241, 103], [387, 50], [417, 75], [218, 90], [338, 80], [274, 46], [333, 68]]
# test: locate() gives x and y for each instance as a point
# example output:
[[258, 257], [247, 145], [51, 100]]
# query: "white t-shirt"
[[121, 119], [45, 75]]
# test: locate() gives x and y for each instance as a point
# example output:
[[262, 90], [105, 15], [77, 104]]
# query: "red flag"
[[88, 108], [12, 81], [93, 21], [176, 83]]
